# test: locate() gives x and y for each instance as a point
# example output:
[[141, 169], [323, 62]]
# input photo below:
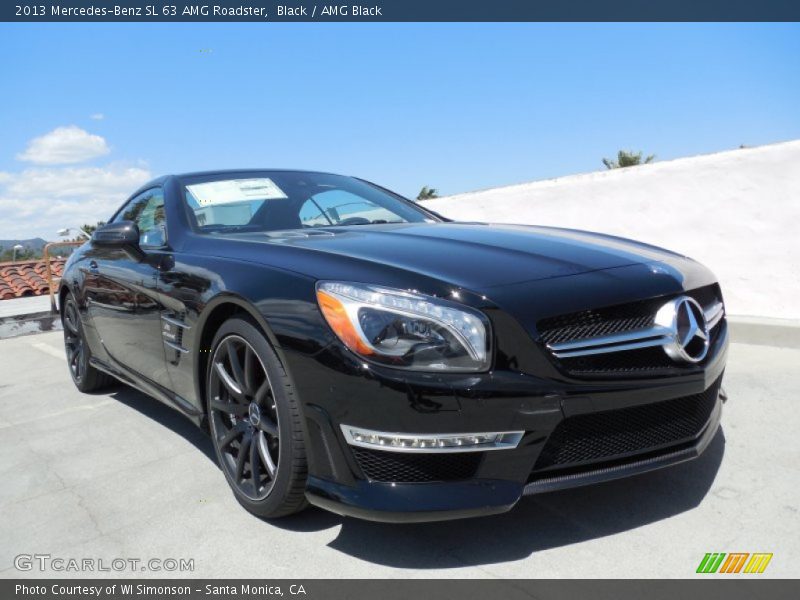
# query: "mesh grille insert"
[[400, 467], [644, 361], [592, 323], [614, 434]]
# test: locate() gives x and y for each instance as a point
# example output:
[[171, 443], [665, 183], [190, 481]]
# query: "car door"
[[122, 298]]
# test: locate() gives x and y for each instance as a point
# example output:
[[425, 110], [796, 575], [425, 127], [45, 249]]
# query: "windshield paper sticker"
[[235, 190]]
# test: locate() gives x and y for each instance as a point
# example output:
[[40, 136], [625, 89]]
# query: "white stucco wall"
[[738, 212]]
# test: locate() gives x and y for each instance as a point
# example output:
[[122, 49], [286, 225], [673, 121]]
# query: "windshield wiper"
[[365, 222]]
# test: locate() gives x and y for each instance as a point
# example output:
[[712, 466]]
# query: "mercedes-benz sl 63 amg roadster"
[[348, 348]]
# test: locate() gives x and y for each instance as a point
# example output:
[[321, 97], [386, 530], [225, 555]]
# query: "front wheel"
[[255, 422]]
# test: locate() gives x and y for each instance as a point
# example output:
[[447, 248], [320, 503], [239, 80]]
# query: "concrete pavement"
[[118, 475]]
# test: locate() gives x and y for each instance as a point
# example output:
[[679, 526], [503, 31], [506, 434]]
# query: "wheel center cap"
[[254, 414]]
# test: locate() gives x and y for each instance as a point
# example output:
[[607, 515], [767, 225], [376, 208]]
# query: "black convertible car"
[[349, 348]]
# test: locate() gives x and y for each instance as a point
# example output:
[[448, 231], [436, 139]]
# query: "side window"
[[337, 206], [147, 211]]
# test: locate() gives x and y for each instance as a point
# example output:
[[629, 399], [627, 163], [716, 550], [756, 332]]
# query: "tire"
[[85, 377], [255, 422]]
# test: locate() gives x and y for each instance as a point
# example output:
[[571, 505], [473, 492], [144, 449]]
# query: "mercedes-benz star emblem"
[[686, 322], [254, 414]]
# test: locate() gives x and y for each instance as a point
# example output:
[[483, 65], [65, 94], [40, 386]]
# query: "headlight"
[[404, 329]]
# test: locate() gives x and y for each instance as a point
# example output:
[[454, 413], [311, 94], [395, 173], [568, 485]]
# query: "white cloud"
[[64, 145], [40, 201], [97, 116]]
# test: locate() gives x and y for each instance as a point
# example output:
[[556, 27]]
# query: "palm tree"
[[628, 158], [427, 193]]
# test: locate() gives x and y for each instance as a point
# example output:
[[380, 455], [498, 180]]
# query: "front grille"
[[618, 319], [616, 434], [614, 319], [402, 467]]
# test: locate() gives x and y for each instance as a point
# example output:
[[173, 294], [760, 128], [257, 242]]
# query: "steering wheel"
[[354, 221]]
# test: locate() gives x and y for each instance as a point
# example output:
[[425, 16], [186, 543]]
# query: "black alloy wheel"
[[84, 375], [254, 422], [244, 417]]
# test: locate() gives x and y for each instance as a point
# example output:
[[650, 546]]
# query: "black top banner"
[[401, 10]]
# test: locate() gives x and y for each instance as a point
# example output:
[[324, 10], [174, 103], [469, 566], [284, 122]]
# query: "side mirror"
[[120, 234]]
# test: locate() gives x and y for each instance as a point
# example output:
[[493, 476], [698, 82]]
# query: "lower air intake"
[[419, 467], [618, 434]]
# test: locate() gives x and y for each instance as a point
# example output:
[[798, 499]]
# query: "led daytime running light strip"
[[432, 443]]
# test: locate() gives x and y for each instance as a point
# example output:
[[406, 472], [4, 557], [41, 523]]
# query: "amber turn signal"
[[336, 316]]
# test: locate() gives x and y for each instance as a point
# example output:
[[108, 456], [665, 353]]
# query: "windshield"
[[279, 200]]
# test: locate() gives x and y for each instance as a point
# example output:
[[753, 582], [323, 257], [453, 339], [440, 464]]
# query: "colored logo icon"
[[734, 562]]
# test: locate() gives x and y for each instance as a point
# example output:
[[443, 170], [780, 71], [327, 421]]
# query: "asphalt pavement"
[[118, 475]]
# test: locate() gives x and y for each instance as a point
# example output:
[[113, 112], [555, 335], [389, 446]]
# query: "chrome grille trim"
[[714, 314], [175, 346], [656, 335], [175, 321]]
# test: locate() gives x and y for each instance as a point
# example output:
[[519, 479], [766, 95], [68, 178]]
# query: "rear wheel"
[[85, 377], [255, 422]]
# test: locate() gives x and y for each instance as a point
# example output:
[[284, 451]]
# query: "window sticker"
[[231, 191]]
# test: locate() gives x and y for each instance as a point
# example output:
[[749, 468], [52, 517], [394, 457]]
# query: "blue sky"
[[455, 106]]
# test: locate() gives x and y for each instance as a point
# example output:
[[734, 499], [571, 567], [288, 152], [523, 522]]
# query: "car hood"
[[471, 255]]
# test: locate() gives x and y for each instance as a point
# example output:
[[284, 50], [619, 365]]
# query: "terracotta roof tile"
[[28, 278]]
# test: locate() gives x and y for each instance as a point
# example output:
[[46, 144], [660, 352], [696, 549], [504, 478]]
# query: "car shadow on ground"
[[166, 416], [536, 523]]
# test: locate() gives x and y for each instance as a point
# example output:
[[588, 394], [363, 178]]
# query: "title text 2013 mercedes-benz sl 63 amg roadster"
[[349, 348]]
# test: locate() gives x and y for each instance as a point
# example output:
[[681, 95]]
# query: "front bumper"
[[416, 503], [345, 391]]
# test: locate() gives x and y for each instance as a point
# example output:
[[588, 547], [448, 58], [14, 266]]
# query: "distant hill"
[[35, 244]]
